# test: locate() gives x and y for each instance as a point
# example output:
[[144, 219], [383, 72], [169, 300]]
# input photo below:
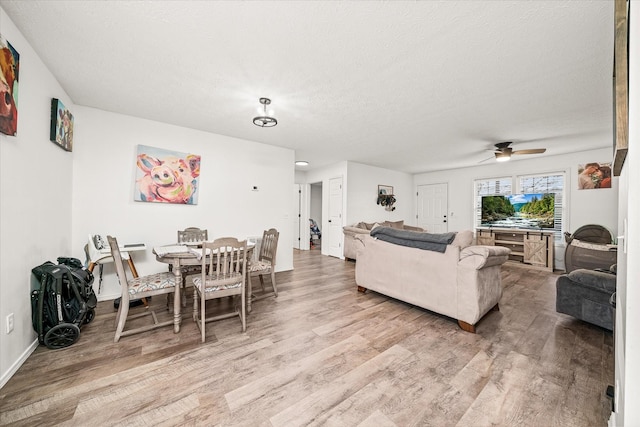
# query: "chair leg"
[[195, 305], [123, 311], [243, 315], [273, 282], [203, 318], [261, 281]]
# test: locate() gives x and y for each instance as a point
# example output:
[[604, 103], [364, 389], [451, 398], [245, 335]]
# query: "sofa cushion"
[[396, 224], [594, 279], [463, 239]]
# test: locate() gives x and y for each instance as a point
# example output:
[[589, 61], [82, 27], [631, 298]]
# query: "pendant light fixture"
[[265, 121]]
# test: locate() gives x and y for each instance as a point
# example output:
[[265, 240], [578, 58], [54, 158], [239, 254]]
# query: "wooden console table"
[[528, 246]]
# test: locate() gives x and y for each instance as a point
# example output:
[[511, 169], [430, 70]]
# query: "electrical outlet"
[[10, 323]]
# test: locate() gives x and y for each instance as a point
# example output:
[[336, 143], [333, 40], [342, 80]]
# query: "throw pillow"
[[397, 224], [375, 224], [369, 225]]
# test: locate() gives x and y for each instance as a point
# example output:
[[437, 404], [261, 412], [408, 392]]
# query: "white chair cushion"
[[151, 282], [259, 266], [197, 282]]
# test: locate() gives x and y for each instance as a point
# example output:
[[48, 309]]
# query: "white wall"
[[52, 199], [360, 187], [35, 189], [324, 175], [627, 334], [581, 206], [105, 164], [363, 194], [597, 206]]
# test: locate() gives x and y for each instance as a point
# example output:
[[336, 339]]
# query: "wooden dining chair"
[[264, 263], [223, 268], [137, 288], [192, 235]]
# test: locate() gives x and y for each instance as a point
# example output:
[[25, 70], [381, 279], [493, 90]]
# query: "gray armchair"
[[584, 294]]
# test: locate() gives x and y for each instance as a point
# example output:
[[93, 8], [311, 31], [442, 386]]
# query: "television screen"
[[518, 210]]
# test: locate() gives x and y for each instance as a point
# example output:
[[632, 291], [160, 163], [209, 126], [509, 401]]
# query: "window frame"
[[516, 187]]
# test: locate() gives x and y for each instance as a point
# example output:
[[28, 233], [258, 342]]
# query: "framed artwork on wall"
[[385, 190], [594, 175], [61, 131], [165, 176], [9, 69]]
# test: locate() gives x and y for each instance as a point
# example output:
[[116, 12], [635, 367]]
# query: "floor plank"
[[322, 353]]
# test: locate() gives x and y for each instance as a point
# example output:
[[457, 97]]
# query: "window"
[[489, 187], [546, 183], [549, 183]]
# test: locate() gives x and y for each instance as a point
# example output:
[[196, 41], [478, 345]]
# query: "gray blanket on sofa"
[[414, 239]]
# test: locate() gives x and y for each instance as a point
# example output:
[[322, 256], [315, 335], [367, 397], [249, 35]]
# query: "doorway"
[[432, 208], [315, 216]]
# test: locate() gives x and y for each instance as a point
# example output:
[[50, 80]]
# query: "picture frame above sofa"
[[385, 190]]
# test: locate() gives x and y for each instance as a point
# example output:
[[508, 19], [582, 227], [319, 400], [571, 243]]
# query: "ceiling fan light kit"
[[503, 157], [265, 121]]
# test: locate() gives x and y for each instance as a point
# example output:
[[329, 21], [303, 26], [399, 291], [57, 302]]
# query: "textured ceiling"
[[410, 86]]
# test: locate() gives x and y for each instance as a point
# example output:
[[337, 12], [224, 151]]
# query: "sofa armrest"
[[478, 256], [594, 279], [350, 230]]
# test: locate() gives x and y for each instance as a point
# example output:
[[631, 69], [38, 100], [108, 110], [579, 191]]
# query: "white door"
[[432, 208], [334, 241], [296, 216]]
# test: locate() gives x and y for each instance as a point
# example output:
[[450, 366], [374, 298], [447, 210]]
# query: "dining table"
[[179, 256]]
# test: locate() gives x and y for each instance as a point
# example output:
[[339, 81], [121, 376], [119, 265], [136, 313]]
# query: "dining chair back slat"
[[223, 274], [192, 235]]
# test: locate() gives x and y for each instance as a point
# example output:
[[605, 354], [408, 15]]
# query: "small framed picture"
[[385, 190], [61, 125]]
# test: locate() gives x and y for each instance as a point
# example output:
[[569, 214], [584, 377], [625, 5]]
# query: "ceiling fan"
[[503, 151]]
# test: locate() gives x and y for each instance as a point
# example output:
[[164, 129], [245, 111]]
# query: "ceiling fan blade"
[[486, 160], [530, 151]]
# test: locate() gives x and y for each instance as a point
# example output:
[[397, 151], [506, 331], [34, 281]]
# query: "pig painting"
[[9, 67], [166, 176]]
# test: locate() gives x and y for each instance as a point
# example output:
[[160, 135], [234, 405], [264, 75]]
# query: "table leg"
[[177, 301]]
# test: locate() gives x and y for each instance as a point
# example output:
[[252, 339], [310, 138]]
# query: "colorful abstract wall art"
[[61, 125], [9, 70], [164, 176]]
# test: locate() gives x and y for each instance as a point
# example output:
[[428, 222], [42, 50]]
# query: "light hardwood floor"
[[324, 354]]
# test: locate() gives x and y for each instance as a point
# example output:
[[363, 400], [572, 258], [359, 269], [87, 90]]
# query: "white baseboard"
[[16, 365]]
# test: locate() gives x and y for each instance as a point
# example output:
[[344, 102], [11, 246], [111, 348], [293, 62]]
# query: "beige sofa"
[[462, 283], [364, 228]]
